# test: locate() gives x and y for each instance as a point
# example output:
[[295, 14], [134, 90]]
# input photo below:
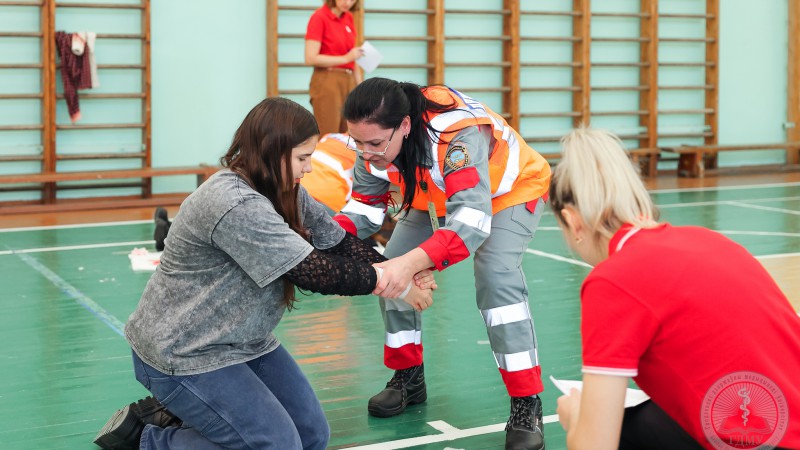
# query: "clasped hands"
[[411, 272]]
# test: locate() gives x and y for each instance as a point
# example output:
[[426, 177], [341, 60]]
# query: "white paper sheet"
[[143, 260], [633, 397], [371, 59]]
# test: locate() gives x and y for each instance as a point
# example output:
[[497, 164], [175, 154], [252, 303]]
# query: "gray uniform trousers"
[[499, 282]]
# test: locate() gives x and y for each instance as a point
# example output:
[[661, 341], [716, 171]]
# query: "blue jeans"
[[266, 403]]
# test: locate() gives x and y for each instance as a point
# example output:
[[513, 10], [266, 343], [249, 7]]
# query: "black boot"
[[407, 387], [525, 429], [162, 222], [124, 429]]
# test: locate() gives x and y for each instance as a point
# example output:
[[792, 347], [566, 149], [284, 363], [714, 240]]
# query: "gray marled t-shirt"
[[217, 294]]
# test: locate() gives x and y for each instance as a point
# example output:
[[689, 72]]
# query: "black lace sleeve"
[[328, 273], [355, 248]]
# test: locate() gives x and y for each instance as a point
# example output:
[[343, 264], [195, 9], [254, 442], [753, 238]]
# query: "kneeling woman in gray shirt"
[[202, 334]]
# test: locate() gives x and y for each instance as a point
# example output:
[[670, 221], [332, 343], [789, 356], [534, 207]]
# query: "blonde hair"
[[596, 177]]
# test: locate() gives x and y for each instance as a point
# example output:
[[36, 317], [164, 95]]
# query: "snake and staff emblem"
[[744, 410]]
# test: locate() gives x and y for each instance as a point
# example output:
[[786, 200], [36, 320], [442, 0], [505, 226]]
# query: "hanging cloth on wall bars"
[[78, 69]]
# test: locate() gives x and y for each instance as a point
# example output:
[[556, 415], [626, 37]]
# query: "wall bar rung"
[[20, 96], [550, 13], [101, 5], [20, 34], [100, 126], [477, 38], [476, 64], [550, 89], [550, 114], [21, 66], [626, 15], [400, 11], [503, 12]]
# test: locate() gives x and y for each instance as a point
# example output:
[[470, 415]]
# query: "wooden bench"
[[694, 159], [202, 172], [646, 159]]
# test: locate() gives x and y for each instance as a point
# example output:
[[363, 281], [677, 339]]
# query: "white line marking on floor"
[[726, 188], [779, 255], [443, 426], [557, 257], [74, 247], [581, 263], [76, 225], [764, 208], [760, 233], [79, 297], [452, 434], [720, 202]]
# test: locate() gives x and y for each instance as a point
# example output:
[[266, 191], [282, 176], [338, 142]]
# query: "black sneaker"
[[124, 429], [407, 387], [161, 219], [525, 429]]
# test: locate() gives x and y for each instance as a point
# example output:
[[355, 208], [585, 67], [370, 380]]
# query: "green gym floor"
[[68, 289]]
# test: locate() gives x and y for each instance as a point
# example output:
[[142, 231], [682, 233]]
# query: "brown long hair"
[[332, 4], [261, 154]]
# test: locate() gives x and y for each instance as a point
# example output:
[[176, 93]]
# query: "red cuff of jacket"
[[445, 248], [460, 180], [346, 223]]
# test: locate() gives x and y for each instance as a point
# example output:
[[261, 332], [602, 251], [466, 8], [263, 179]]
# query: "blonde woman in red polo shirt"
[[690, 315], [331, 49]]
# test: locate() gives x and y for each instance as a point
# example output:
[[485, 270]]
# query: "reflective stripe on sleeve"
[[474, 218], [375, 215]]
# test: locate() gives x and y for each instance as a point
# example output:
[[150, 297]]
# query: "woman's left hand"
[[424, 280], [569, 407]]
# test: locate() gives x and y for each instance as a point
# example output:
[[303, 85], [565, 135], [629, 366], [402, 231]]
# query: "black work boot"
[[162, 222], [525, 429], [124, 429], [407, 387]]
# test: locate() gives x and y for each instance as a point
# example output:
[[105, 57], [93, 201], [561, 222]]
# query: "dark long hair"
[[261, 153], [386, 102]]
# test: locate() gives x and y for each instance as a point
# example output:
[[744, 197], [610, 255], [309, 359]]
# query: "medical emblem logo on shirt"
[[744, 410], [457, 157]]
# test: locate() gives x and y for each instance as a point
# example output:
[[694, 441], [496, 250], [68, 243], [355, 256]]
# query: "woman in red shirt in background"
[[690, 315], [331, 49]]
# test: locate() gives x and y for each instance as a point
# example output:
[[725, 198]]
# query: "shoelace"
[[522, 414], [400, 378]]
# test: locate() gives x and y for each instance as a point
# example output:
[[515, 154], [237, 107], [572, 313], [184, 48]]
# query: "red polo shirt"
[[336, 34], [679, 308]]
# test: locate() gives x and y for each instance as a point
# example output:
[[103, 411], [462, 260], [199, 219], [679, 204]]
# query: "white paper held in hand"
[[633, 397], [371, 59]]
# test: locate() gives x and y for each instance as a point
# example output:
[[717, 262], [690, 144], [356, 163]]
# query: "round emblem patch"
[[457, 157], [744, 410]]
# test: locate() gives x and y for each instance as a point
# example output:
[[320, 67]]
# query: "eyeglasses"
[[351, 145]]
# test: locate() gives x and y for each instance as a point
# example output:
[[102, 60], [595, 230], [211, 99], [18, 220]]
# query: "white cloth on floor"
[[144, 260]]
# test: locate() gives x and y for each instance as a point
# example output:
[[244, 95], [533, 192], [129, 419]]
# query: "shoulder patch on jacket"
[[457, 157]]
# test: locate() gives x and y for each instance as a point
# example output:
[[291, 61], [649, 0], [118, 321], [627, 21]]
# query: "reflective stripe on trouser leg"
[[403, 345], [502, 297]]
